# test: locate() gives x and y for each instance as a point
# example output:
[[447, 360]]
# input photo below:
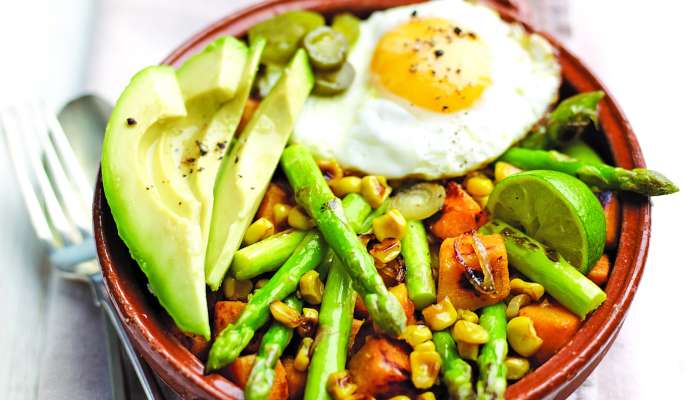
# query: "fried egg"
[[441, 88]]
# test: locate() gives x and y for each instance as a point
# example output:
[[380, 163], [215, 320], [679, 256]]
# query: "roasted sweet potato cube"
[[381, 368], [274, 194], [354, 330], [195, 343], [361, 309], [240, 370], [600, 271], [225, 313], [452, 279], [554, 324], [401, 293], [613, 215], [460, 214], [296, 380], [250, 106]]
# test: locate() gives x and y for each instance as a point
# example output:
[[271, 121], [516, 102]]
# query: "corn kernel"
[[237, 289], [390, 225], [504, 170], [311, 288], [516, 367], [229, 287], [375, 190], [428, 345], [260, 283], [346, 185], [400, 397], [425, 366], [309, 322], [330, 169], [299, 220], [280, 212], [310, 314], [468, 315], [258, 230], [339, 385], [386, 250], [522, 336], [479, 186], [441, 315], [285, 314], [532, 289], [426, 396], [469, 332], [301, 361], [468, 351], [515, 304], [482, 201], [416, 334]]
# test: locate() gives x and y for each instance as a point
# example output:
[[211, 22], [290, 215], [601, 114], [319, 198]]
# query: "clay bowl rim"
[[558, 377]]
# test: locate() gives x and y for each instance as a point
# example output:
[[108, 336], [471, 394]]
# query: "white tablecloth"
[[51, 342]]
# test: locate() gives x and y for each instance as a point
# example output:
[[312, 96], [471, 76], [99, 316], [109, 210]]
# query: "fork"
[[58, 199]]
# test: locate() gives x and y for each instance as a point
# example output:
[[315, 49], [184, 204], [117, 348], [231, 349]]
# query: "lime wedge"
[[555, 209]]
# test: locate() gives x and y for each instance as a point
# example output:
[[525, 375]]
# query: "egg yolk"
[[433, 63]]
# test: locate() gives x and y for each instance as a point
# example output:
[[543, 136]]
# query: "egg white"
[[373, 131]]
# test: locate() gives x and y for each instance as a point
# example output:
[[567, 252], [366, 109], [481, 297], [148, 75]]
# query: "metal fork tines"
[[52, 184], [57, 197]]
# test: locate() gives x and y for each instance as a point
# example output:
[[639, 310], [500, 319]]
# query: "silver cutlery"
[[58, 199]]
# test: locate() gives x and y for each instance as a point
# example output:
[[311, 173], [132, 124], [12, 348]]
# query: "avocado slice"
[[161, 152], [248, 166]]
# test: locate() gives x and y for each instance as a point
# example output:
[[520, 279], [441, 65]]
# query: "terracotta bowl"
[[556, 379]]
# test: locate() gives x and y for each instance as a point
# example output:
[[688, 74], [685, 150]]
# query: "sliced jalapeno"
[[334, 82], [326, 48], [348, 25], [284, 33]]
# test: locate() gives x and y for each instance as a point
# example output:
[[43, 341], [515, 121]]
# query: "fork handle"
[[143, 373]]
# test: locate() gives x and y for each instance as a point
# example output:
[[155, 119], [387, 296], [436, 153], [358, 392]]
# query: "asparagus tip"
[[650, 182]]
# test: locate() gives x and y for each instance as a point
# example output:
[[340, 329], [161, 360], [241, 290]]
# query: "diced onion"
[[419, 201], [483, 284]]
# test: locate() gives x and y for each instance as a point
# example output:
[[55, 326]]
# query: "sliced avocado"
[[158, 155], [247, 168]]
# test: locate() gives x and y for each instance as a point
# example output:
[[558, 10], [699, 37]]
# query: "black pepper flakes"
[[439, 53], [130, 121], [444, 108], [221, 145], [203, 148], [472, 35], [457, 30], [414, 13]]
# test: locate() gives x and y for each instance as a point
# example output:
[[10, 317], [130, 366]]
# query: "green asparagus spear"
[[312, 192], [334, 323], [546, 267], [566, 122], [356, 210], [581, 151], [377, 212], [231, 341], [335, 316], [266, 255], [419, 273], [602, 176], [456, 373], [492, 368], [275, 340]]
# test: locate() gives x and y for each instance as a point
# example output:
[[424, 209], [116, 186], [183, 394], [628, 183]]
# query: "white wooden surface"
[[646, 52]]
